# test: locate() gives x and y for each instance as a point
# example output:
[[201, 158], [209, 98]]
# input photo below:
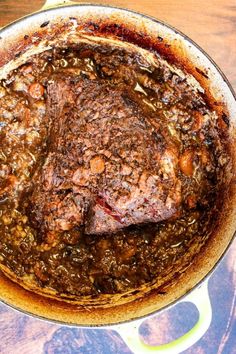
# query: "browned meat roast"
[[109, 164]]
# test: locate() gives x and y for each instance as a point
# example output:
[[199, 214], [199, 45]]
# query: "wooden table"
[[212, 24]]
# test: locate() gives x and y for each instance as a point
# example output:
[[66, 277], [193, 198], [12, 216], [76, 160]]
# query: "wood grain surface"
[[212, 24]]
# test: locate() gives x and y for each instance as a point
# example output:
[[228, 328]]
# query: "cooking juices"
[[111, 170]]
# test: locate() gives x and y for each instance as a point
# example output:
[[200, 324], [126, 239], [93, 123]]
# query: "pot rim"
[[152, 18], [233, 92]]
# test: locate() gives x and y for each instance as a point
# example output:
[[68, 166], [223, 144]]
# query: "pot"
[[56, 21]]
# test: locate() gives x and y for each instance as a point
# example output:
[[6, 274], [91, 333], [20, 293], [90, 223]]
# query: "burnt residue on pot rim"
[[111, 26]]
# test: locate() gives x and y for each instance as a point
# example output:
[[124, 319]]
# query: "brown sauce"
[[110, 169]]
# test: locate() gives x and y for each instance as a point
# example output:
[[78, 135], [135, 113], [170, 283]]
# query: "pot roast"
[[107, 165], [111, 168]]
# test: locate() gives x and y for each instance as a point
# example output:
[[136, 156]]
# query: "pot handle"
[[56, 3], [200, 298]]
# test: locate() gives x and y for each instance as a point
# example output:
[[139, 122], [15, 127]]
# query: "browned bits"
[[10, 183], [81, 176], [12, 180], [26, 69], [36, 90], [19, 85], [71, 237], [86, 53], [97, 165], [2, 91], [126, 170], [127, 254], [192, 201], [186, 163], [24, 219], [198, 121], [40, 271], [91, 76], [27, 116], [51, 237], [107, 71], [204, 156], [221, 123], [6, 220], [103, 245], [64, 225]]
